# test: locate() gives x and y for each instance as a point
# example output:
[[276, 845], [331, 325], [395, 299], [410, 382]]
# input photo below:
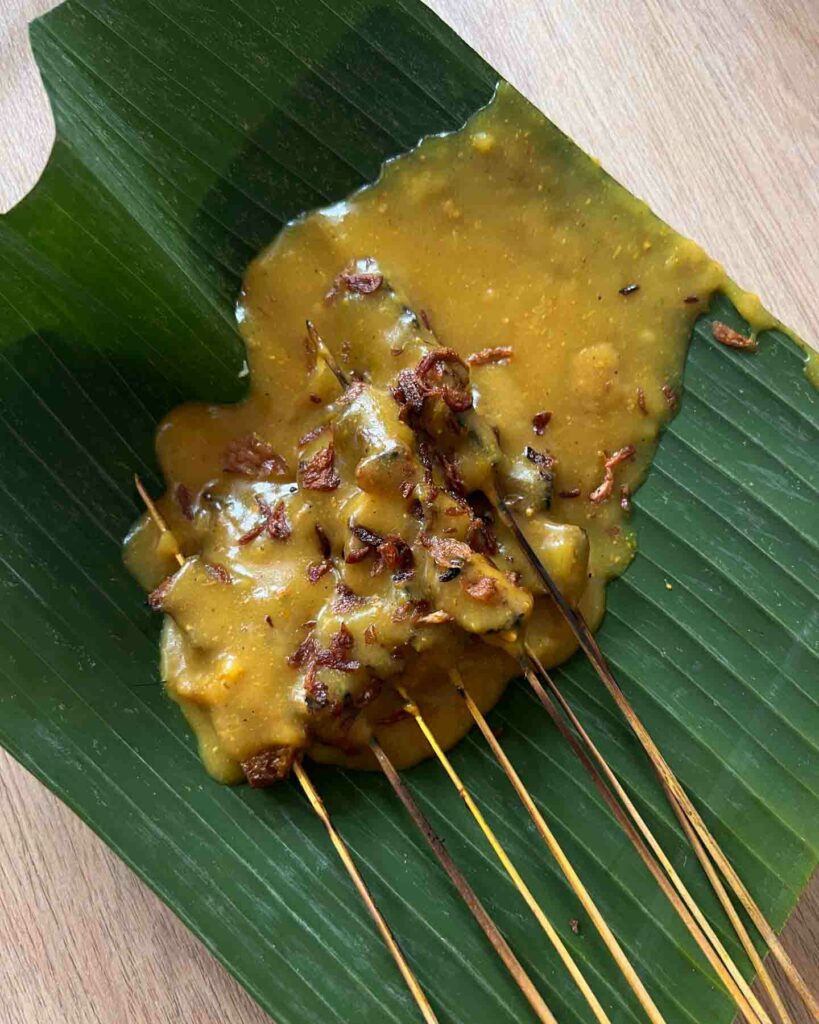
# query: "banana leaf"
[[188, 133]]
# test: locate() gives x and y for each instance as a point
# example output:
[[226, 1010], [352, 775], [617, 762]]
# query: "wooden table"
[[708, 112]]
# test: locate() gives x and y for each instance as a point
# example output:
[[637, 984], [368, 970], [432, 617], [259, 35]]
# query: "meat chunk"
[[268, 766]]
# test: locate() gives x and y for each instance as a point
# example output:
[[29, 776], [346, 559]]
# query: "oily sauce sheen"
[[340, 542]]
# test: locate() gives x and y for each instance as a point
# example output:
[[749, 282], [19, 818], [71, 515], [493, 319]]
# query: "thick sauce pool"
[[504, 243]]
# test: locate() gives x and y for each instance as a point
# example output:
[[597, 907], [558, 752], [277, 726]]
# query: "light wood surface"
[[708, 111]]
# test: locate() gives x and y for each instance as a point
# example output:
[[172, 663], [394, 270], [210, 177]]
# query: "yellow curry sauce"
[[340, 539]]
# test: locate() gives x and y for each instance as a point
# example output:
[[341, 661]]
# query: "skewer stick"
[[386, 934], [668, 879], [670, 782], [729, 908], [613, 946], [682, 805], [679, 799], [467, 893], [643, 850], [159, 522], [324, 353], [544, 922]]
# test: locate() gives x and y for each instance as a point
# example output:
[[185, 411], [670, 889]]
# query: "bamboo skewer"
[[670, 782], [729, 908], [366, 897], [324, 353], [613, 946], [544, 922], [159, 522], [490, 929], [679, 799], [652, 854]]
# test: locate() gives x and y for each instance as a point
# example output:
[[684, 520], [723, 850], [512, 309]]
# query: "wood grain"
[[26, 122], [707, 110]]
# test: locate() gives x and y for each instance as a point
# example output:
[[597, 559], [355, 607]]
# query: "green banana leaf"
[[188, 133]]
